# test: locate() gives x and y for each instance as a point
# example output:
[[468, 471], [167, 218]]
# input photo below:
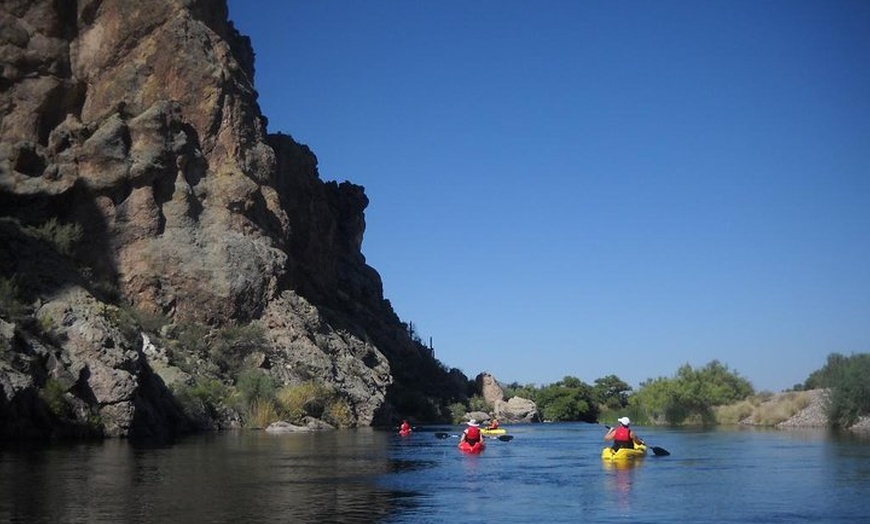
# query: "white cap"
[[624, 421]]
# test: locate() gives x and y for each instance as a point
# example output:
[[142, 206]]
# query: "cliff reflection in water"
[[229, 477]]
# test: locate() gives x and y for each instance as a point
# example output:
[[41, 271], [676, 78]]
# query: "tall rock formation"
[[137, 181], [514, 409]]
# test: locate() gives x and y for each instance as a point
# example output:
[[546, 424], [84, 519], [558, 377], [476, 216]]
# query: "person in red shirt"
[[493, 424], [623, 436], [471, 434]]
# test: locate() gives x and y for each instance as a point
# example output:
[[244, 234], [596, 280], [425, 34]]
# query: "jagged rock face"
[[161, 156], [489, 388], [305, 347], [138, 121]]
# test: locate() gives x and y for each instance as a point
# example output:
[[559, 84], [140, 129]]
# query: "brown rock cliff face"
[[137, 122]]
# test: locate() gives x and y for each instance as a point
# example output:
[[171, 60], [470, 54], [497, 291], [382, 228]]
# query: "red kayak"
[[477, 447]]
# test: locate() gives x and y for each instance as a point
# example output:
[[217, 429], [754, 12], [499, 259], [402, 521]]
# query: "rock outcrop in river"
[[155, 240]]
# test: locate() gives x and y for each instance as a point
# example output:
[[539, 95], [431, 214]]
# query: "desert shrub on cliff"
[[145, 320], [255, 398], [233, 344], [262, 413], [302, 399], [202, 400], [313, 399], [63, 237], [225, 350], [11, 306], [190, 339], [53, 396], [338, 413], [254, 385]]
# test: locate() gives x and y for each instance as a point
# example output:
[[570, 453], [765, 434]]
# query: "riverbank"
[[791, 409]]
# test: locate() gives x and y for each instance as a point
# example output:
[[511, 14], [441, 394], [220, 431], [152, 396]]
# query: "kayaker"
[[471, 433], [405, 428], [623, 436], [493, 424]]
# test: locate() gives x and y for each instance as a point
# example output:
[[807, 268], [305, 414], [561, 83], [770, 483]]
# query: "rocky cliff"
[[155, 240]]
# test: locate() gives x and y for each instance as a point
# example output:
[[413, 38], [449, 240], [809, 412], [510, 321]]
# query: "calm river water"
[[549, 472]]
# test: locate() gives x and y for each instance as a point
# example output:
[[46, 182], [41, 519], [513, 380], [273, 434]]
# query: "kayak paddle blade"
[[660, 452]]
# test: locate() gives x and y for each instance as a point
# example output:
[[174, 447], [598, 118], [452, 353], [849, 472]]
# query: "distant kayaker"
[[493, 424], [471, 433], [623, 436], [405, 428]]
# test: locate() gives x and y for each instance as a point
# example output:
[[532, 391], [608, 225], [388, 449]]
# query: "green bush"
[[255, 385], [261, 413], [612, 392], [339, 413], [307, 399], [691, 395], [64, 237], [53, 394], [567, 400], [11, 306], [849, 397], [514, 389], [457, 411], [144, 320], [234, 343], [478, 403], [192, 338], [201, 400], [313, 399]]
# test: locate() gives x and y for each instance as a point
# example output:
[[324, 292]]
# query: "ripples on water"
[[547, 473]]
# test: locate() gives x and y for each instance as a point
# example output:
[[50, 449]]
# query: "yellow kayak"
[[497, 431], [639, 451]]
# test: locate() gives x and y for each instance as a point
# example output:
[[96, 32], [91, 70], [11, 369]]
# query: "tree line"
[[693, 395]]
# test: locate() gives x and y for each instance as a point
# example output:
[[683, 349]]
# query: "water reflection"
[[620, 480], [368, 476], [232, 477]]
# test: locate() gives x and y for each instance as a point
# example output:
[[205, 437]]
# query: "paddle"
[[659, 452], [503, 438]]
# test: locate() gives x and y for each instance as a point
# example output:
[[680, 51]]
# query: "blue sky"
[[594, 188]]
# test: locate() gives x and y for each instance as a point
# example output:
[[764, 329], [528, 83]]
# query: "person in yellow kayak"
[[623, 436], [493, 424]]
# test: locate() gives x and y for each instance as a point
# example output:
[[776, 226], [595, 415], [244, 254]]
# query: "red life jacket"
[[622, 438], [472, 434]]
